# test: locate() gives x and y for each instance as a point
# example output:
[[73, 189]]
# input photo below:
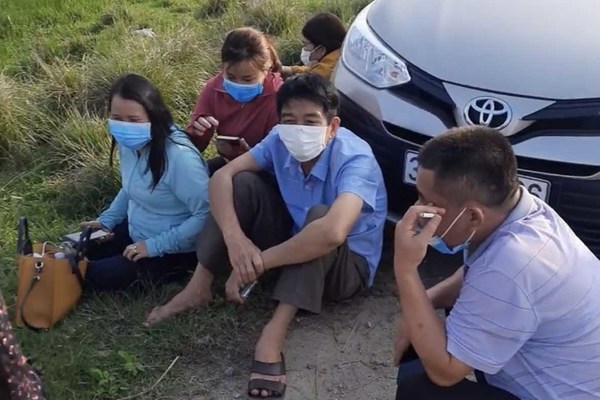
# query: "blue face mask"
[[133, 135], [437, 242], [242, 93]]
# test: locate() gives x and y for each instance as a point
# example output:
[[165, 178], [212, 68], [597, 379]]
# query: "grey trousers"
[[264, 218]]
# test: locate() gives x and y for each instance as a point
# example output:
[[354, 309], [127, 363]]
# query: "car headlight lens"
[[364, 55]]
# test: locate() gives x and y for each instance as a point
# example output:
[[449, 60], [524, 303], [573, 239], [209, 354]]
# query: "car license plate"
[[537, 187], [540, 188]]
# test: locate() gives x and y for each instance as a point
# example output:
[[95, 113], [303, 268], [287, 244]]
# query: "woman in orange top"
[[323, 35], [240, 100]]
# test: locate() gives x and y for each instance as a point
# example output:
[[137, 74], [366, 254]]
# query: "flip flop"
[[275, 390]]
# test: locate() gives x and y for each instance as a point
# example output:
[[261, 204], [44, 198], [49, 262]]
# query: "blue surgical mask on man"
[[242, 93], [438, 243], [132, 135]]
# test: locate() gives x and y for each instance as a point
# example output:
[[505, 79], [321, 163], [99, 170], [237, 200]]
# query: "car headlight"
[[364, 55]]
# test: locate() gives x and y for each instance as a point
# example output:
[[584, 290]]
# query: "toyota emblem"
[[488, 111]]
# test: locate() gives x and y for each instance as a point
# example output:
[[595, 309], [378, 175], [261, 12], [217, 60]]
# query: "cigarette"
[[427, 215]]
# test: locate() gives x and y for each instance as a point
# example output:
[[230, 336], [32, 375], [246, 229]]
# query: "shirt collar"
[[331, 58], [521, 210], [321, 167]]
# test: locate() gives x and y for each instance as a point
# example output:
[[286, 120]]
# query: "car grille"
[[557, 167], [578, 203]]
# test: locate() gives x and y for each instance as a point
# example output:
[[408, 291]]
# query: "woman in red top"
[[240, 100]]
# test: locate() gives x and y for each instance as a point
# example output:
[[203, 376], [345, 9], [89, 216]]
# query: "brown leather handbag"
[[51, 279]]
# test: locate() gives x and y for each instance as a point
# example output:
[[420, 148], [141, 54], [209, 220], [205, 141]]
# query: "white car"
[[411, 69]]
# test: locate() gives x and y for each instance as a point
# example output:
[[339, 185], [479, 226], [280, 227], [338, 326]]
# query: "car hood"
[[539, 48]]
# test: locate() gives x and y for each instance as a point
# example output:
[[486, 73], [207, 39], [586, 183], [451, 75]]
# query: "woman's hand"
[[286, 71], [203, 124], [95, 225], [231, 151], [135, 252]]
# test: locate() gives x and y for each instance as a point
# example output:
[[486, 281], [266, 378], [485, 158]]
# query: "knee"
[[244, 184], [316, 212]]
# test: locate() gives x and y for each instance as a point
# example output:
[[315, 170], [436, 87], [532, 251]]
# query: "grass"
[[57, 59]]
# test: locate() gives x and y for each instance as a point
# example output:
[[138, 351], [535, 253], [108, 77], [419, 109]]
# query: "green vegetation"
[[57, 59]]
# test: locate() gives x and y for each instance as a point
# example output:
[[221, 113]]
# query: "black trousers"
[[108, 270], [413, 383]]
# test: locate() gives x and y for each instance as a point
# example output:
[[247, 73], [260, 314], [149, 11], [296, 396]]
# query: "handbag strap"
[[80, 250], [36, 278], [24, 245], [82, 244], [74, 262]]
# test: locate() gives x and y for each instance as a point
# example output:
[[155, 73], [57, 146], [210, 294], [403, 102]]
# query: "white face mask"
[[305, 57], [304, 142], [306, 54]]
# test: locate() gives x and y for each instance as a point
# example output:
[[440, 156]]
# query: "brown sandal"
[[275, 390]]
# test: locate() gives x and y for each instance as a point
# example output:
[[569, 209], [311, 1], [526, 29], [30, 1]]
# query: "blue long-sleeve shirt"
[[169, 217]]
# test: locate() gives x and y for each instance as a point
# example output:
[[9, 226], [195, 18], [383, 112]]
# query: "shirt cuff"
[[106, 224], [471, 359], [368, 200], [259, 158], [151, 248]]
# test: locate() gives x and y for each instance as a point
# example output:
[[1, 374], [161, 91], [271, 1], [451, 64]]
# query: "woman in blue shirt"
[[163, 202]]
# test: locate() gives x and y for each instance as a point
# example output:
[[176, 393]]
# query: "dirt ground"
[[344, 353]]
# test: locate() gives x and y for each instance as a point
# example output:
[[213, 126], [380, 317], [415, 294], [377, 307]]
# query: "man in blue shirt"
[[526, 304], [320, 227]]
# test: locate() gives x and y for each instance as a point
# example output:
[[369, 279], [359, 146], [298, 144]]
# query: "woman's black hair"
[[139, 89]]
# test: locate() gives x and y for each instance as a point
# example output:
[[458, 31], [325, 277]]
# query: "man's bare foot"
[[268, 350], [187, 299], [197, 293]]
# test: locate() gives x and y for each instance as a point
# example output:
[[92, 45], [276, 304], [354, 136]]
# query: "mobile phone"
[[247, 289], [233, 140], [74, 237]]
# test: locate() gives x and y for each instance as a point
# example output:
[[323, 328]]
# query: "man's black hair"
[[311, 87], [472, 163], [325, 29]]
